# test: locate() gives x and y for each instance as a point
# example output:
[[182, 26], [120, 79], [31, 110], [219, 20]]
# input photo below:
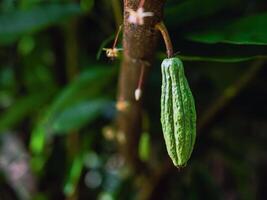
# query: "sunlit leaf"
[[144, 146], [38, 139], [74, 174]]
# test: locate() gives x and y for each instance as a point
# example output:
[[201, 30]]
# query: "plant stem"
[[139, 44], [116, 37], [140, 82], [73, 140], [164, 32]]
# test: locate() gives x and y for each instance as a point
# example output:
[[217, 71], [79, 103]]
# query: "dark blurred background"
[[58, 95]]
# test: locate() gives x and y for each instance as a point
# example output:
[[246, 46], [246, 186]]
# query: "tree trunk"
[[139, 44]]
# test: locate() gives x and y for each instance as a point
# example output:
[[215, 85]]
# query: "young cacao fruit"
[[178, 114]]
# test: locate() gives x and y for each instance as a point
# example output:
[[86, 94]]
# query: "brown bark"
[[139, 44]]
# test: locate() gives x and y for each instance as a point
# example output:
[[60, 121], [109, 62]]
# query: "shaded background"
[[58, 96]]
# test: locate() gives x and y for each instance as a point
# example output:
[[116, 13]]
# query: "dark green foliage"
[[16, 23], [248, 30], [57, 102]]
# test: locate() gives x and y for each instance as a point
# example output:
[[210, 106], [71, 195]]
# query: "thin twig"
[[116, 37]]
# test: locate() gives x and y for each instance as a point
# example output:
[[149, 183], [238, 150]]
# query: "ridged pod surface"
[[178, 113]]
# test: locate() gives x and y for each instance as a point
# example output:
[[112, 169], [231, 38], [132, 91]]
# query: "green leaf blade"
[[17, 23], [78, 115], [249, 30]]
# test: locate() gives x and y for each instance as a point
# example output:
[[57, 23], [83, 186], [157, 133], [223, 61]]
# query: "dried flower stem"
[[113, 52], [164, 32], [116, 37], [138, 91], [141, 79]]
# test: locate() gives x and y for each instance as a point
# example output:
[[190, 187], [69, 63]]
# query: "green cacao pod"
[[178, 113]]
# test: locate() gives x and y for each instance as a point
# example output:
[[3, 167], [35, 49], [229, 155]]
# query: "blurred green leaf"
[[194, 9], [72, 102], [87, 5], [6, 5], [22, 108], [25, 4], [7, 79], [144, 146], [73, 175], [38, 139], [17, 23], [88, 84], [75, 117], [26, 45], [40, 196], [249, 30], [38, 162]]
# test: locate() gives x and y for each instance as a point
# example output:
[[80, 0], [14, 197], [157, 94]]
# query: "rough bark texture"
[[139, 44]]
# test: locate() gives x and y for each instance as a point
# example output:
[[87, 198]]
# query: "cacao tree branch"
[[139, 44]]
